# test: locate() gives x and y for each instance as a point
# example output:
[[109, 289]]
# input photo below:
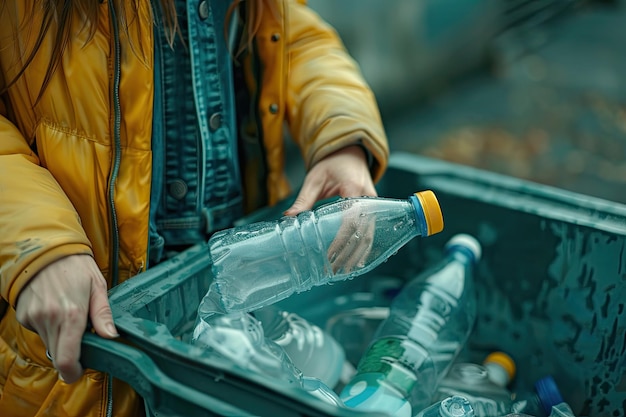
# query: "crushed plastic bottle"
[[262, 263], [239, 338], [429, 322], [312, 350]]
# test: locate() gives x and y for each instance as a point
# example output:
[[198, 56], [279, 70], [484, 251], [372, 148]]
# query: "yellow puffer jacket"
[[56, 163]]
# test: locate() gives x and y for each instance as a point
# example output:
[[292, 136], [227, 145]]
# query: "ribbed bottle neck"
[[420, 216], [463, 252]]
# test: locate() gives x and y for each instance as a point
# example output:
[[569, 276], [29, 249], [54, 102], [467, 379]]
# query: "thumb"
[[304, 201], [298, 206], [100, 311]]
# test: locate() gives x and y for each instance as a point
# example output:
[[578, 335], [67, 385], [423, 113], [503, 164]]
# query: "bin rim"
[[546, 201], [128, 297]]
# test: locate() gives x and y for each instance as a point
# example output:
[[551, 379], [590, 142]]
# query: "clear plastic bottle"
[[239, 338], [311, 349], [453, 406], [539, 402], [483, 385], [261, 263], [429, 322]]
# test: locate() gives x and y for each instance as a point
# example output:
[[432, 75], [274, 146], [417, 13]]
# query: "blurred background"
[[534, 89]]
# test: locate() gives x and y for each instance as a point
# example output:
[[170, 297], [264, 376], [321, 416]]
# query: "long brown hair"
[[59, 14]]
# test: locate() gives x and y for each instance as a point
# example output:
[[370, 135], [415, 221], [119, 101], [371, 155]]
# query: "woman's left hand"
[[344, 173]]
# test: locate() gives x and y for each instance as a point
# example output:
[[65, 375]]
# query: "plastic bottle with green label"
[[429, 322]]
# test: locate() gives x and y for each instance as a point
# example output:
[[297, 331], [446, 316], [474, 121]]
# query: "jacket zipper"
[[115, 166], [109, 409]]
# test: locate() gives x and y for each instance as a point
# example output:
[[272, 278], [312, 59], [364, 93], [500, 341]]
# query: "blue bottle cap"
[[548, 393], [468, 242]]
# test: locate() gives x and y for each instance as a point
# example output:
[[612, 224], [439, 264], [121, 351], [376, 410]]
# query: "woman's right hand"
[[56, 304]]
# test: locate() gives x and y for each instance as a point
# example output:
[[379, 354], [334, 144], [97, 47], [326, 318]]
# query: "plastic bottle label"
[[390, 357]]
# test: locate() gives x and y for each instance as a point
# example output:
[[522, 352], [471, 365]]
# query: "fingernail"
[[61, 378], [112, 331]]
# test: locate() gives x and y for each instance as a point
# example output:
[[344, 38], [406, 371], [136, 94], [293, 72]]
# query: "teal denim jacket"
[[196, 184]]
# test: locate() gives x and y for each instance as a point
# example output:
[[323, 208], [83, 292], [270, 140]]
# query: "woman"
[[131, 129]]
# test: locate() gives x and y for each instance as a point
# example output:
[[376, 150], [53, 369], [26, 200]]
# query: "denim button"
[[215, 121], [203, 9], [178, 189]]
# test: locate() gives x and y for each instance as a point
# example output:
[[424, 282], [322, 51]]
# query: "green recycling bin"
[[551, 288]]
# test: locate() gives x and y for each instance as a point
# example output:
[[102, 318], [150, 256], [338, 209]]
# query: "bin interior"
[[551, 290]]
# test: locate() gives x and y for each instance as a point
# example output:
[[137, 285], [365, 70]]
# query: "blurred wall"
[[411, 48]]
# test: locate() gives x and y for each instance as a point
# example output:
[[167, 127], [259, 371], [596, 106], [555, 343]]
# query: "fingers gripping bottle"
[[259, 264], [428, 324]]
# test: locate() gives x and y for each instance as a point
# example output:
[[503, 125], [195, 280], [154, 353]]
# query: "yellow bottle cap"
[[432, 211], [504, 360]]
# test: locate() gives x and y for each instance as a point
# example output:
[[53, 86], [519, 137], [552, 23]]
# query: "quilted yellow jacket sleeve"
[[31, 204], [328, 109], [305, 77]]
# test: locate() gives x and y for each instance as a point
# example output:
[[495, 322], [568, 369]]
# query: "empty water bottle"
[[311, 349], [259, 264], [484, 386], [239, 338], [429, 322]]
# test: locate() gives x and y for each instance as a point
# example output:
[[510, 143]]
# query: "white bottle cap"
[[468, 242]]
